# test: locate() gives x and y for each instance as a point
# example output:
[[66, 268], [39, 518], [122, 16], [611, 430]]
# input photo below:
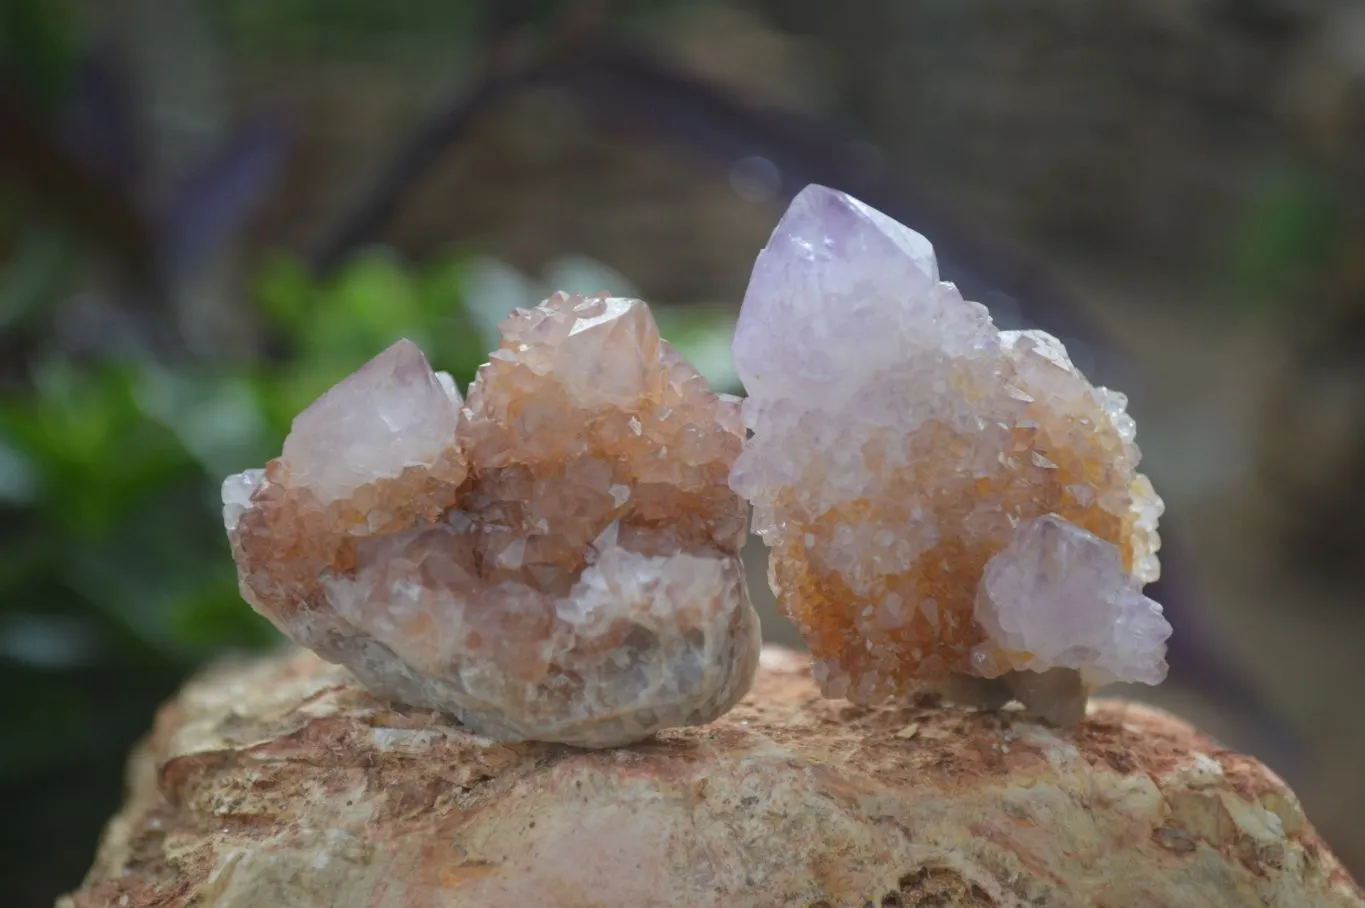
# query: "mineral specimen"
[[554, 559], [944, 501]]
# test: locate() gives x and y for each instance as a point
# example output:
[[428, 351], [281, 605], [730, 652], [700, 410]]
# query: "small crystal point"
[[557, 561], [392, 413], [901, 443], [237, 491], [1058, 597]]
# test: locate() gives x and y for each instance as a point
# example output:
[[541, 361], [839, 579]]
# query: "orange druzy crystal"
[[556, 559]]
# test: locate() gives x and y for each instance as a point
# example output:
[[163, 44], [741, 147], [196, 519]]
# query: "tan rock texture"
[[283, 783]]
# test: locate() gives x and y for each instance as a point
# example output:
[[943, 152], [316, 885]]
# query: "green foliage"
[[369, 29], [353, 27], [113, 560], [334, 326], [1290, 234], [41, 257], [38, 40]]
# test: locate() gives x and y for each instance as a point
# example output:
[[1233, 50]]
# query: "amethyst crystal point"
[[391, 414], [812, 300], [1059, 597], [943, 500]]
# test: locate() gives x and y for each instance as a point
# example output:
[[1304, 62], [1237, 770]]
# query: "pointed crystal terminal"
[[901, 444], [836, 277], [391, 414], [557, 559]]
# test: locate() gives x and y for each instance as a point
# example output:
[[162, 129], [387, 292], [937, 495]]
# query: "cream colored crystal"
[[557, 560]]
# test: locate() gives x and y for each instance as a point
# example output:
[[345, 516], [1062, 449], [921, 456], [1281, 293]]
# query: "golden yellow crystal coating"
[[557, 559]]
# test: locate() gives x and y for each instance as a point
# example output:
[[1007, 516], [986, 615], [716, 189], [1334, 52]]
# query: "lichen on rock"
[[556, 558]]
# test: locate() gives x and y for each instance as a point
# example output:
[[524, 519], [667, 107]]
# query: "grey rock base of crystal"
[[611, 716], [1057, 696], [284, 783]]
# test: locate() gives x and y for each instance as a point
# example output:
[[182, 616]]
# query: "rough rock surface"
[[282, 782], [556, 559], [903, 447]]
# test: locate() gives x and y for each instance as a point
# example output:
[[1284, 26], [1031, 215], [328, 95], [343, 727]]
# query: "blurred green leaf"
[[335, 325], [217, 419], [284, 291], [93, 449], [371, 304], [38, 269], [493, 289], [703, 334], [50, 642], [18, 478], [27, 556], [38, 41], [356, 27], [1290, 233], [458, 343], [210, 617]]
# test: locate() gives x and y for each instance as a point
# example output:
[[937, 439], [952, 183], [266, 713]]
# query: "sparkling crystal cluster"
[[944, 501], [555, 558]]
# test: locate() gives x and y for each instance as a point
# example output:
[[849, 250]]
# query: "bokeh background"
[[211, 210]]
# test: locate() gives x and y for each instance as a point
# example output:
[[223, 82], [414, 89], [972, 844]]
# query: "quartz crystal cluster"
[[555, 558], [945, 502]]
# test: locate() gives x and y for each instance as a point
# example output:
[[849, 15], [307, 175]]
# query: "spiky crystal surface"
[[941, 498], [554, 559]]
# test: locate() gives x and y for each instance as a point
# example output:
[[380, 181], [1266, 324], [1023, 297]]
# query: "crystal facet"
[[1058, 597], [391, 414], [903, 448], [557, 559]]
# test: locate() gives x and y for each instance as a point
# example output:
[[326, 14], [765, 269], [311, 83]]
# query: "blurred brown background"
[[1176, 187]]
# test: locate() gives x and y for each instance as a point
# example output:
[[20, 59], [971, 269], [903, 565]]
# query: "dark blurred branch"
[[509, 65], [213, 205], [91, 204], [98, 118], [87, 165], [630, 89], [410, 163]]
